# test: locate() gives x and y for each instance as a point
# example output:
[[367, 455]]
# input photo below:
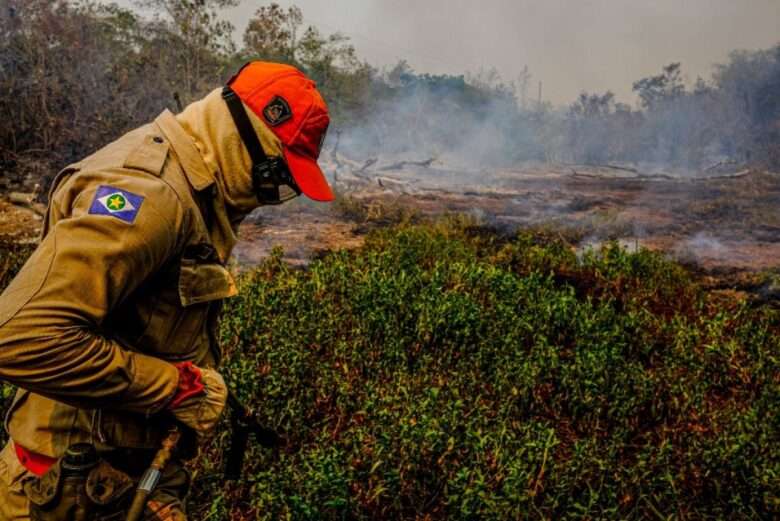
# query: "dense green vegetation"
[[442, 371], [445, 371]]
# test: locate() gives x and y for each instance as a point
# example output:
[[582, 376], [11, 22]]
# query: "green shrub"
[[443, 371]]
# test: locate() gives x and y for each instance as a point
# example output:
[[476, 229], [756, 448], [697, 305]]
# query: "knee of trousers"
[[14, 505]]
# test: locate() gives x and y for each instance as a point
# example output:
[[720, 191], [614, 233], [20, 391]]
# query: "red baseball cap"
[[291, 106]]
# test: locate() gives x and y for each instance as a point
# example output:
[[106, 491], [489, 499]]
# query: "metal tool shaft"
[[151, 477]]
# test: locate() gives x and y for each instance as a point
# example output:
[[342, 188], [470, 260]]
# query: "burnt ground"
[[18, 224], [718, 223]]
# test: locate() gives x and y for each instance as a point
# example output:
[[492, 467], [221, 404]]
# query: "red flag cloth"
[[38, 464]]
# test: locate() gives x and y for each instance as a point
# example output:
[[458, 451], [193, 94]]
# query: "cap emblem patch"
[[277, 111]]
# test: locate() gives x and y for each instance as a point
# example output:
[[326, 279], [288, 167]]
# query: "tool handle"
[[244, 424], [151, 476], [234, 460], [137, 507], [243, 415]]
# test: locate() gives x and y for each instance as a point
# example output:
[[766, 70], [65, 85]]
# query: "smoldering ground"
[[674, 174]]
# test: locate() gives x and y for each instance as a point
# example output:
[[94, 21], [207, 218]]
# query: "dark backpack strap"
[[244, 126]]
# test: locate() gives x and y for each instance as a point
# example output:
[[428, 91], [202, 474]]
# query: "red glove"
[[200, 398], [190, 384]]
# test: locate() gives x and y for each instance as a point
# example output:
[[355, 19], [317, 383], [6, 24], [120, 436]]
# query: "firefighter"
[[109, 329]]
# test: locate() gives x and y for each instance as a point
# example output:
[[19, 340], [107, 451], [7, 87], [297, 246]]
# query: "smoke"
[[446, 118], [477, 122], [701, 247]]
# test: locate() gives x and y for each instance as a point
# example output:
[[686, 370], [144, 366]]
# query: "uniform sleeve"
[[51, 342]]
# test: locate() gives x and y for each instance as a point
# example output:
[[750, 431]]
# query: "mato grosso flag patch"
[[117, 203]]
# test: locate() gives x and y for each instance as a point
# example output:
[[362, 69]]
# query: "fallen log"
[[741, 173], [658, 176], [638, 177], [401, 164], [21, 198], [574, 173], [27, 200], [665, 177], [719, 164], [616, 167]]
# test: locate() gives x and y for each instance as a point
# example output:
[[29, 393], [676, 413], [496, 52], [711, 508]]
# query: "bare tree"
[[202, 36]]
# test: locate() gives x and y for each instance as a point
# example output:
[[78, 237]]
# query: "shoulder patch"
[[115, 202]]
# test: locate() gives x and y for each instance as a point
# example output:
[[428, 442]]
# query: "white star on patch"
[[116, 202]]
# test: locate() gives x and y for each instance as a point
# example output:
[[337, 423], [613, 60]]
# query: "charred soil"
[[717, 224]]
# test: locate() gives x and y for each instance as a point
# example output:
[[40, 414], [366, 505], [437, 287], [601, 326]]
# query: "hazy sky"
[[569, 45]]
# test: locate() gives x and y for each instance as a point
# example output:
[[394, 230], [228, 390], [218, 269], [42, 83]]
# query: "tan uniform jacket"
[[89, 325]]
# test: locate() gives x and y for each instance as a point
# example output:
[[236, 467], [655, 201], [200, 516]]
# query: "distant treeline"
[[75, 75]]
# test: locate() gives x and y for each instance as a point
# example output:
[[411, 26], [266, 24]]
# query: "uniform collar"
[[188, 154]]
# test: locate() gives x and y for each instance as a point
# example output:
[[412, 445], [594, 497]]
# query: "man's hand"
[[200, 399]]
